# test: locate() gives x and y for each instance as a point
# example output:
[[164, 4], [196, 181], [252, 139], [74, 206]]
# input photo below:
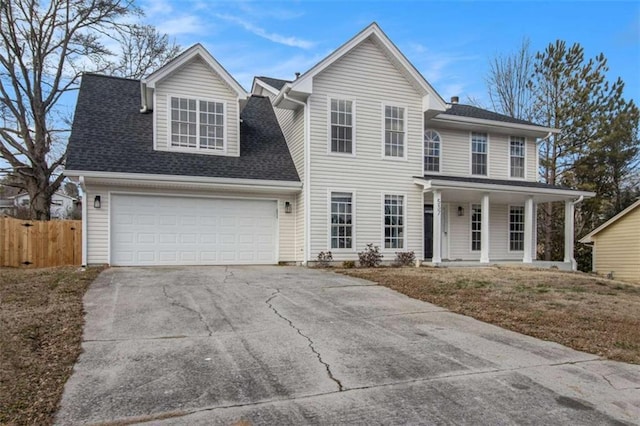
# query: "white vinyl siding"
[[432, 143], [195, 80], [479, 154], [98, 219], [517, 164], [366, 75], [341, 126]]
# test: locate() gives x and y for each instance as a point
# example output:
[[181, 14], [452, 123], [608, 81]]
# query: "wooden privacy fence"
[[39, 244]]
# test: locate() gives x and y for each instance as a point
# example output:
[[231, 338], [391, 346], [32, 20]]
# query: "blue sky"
[[449, 42]]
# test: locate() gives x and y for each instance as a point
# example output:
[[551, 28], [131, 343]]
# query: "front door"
[[428, 232]]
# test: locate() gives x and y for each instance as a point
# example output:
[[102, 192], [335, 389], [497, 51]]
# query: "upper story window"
[[431, 151], [394, 131], [197, 124], [479, 145], [516, 156], [341, 220], [341, 126]]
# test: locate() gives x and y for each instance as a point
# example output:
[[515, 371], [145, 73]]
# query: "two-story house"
[[185, 167]]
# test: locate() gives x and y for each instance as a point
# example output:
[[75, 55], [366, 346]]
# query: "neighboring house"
[[616, 245], [185, 167], [6, 206], [61, 205]]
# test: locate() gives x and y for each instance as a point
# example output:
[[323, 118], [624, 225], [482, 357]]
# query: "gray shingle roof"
[[517, 183], [274, 82], [110, 134], [475, 112]]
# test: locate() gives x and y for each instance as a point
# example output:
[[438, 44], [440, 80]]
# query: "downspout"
[[143, 97], [84, 221]]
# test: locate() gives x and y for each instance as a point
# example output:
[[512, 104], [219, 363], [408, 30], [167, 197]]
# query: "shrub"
[[324, 259], [405, 258], [348, 264], [370, 257]]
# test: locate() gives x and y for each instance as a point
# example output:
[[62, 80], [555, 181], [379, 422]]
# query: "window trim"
[[198, 149], [424, 171], [524, 151], [509, 206], [471, 174], [471, 227], [405, 227], [405, 129], [331, 97], [354, 245]]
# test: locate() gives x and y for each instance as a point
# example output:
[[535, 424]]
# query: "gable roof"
[[588, 238], [462, 110], [109, 134], [374, 32], [195, 51]]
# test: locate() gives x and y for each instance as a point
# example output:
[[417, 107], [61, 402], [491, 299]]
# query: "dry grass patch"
[[577, 310], [41, 320]]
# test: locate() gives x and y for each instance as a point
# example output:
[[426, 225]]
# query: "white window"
[[341, 126], [341, 220], [394, 131], [479, 154], [516, 228], [197, 124], [431, 151], [476, 227], [516, 156], [394, 221]]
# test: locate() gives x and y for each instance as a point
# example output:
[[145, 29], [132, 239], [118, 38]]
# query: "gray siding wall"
[[366, 76], [98, 219], [196, 80]]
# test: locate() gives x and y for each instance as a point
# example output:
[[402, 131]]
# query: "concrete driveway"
[[285, 345]]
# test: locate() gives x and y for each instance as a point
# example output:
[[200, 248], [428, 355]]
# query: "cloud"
[[261, 32], [188, 24]]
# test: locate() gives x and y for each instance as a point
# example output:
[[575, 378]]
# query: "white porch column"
[[568, 233], [437, 226], [528, 230], [484, 230]]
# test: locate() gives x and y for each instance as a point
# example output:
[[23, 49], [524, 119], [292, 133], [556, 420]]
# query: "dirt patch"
[[41, 320], [583, 312]]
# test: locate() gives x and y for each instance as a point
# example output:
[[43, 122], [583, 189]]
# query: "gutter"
[[85, 225]]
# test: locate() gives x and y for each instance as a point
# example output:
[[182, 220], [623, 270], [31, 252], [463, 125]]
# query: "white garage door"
[[154, 230]]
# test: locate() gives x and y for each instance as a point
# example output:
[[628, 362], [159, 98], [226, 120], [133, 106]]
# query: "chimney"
[[455, 99], [297, 75]]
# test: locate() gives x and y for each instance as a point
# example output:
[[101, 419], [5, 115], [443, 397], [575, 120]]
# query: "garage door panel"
[[154, 230]]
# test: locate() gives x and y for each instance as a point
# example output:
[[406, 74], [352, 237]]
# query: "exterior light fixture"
[[287, 207], [460, 211], [96, 202]]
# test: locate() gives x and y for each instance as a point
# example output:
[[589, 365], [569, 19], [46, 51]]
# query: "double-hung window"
[[341, 220], [516, 228], [479, 144], [341, 126], [394, 131], [476, 227], [394, 221], [431, 151], [197, 124], [516, 156]]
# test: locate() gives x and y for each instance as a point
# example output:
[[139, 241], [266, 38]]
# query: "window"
[[197, 124], [476, 227], [56, 202], [393, 221], [431, 151], [341, 126], [479, 154], [394, 130], [341, 220], [516, 228], [517, 156]]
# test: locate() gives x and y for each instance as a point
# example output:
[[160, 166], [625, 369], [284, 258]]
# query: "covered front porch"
[[472, 221]]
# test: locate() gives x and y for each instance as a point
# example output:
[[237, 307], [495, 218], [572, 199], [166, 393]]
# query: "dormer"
[[196, 105]]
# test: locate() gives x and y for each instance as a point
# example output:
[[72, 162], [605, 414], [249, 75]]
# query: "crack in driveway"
[[311, 343], [174, 302]]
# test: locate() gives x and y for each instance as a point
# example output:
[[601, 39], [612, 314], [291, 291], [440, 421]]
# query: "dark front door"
[[428, 231]]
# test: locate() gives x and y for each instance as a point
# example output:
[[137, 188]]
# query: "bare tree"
[[507, 82]]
